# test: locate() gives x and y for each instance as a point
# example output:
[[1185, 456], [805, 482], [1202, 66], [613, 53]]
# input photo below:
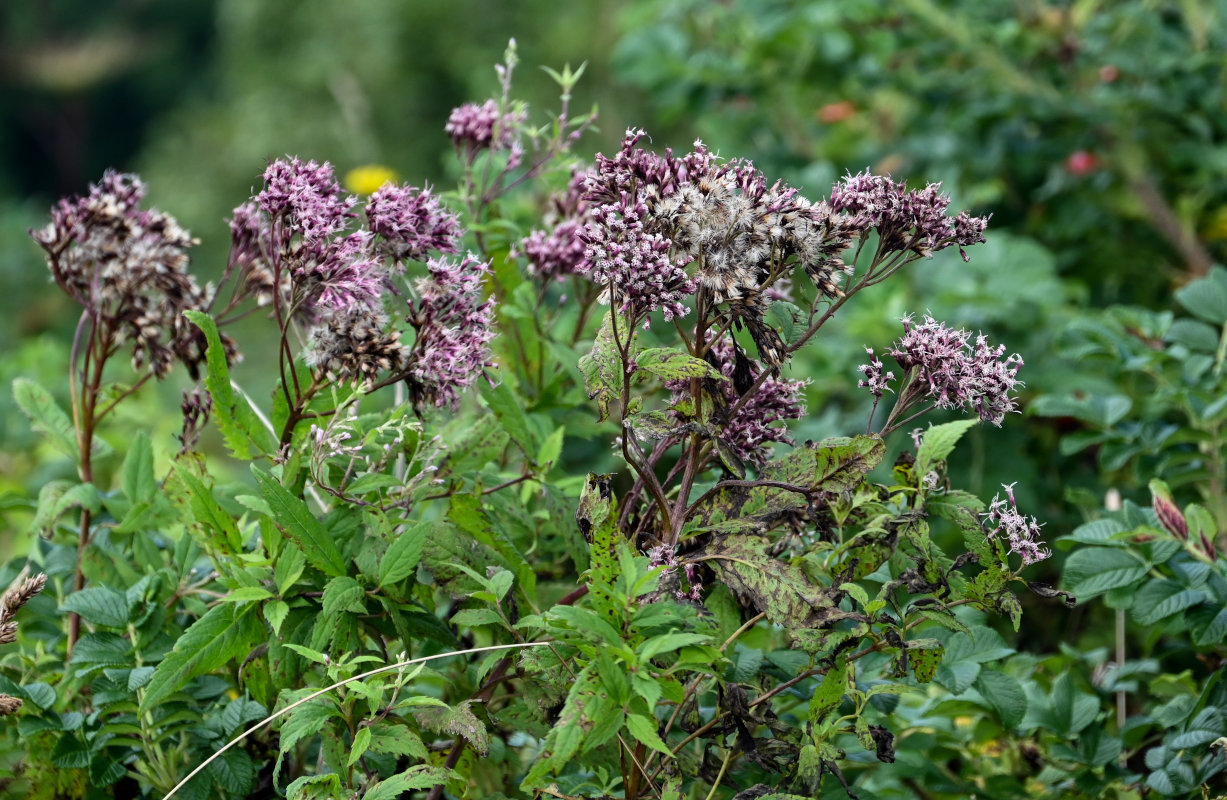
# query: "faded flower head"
[[21, 591], [946, 366], [666, 556], [338, 277], [913, 220], [355, 348], [559, 252], [305, 197], [411, 222], [454, 329], [128, 267], [1021, 533]]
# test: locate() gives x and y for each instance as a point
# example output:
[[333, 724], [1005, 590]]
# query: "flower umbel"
[[1021, 533], [127, 266], [943, 365]]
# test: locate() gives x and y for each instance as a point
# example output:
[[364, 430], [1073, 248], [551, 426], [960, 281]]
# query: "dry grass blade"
[[337, 685]]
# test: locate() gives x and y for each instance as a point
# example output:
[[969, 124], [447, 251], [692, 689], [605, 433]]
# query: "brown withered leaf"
[[778, 589]]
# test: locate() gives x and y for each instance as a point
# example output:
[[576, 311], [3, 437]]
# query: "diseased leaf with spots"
[[602, 367], [924, 656], [779, 589]]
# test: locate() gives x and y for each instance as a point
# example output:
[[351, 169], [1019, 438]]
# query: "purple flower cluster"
[[127, 266], [876, 380], [454, 329], [555, 254], [305, 197], [755, 426], [292, 245], [905, 220], [944, 365], [634, 266], [474, 127], [1022, 533], [622, 252], [411, 223], [666, 556]]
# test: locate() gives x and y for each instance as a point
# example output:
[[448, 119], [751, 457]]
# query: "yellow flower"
[[367, 178]]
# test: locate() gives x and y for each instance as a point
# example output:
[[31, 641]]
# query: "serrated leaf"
[[403, 554], [457, 720], [247, 594], [47, 417], [829, 693], [397, 740], [669, 642], [510, 412], [939, 442], [602, 366], [234, 771], [671, 364], [99, 605], [924, 656], [1216, 631], [1160, 599], [1004, 694], [55, 499], [644, 731], [1091, 571], [779, 589], [422, 776], [473, 617], [362, 740], [241, 429], [1206, 297], [225, 632], [101, 649], [300, 525]]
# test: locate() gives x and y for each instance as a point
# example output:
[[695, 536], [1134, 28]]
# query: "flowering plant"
[[722, 608]]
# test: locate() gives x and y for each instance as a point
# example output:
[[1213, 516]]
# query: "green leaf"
[[225, 632], [300, 525], [422, 776], [644, 731], [939, 442], [216, 525], [139, 482], [1160, 599], [402, 556], [510, 412], [829, 693], [841, 463], [397, 740], [55, 499], [671, 364], [1216, 631], [234, 771], [474, 617], [247, 594], [457, 720], [1091, 571], [1206, 297], [669, 642], [602, 367], [924, 656], [1005, 695], [99, 605], [242, 430], [102, 649], [314, 787], [47, 417], [362, 740]]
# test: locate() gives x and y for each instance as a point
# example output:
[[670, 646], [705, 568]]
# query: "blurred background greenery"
[[1093, 132]]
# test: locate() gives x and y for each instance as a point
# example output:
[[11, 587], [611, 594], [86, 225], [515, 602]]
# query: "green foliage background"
[[1093, 132]]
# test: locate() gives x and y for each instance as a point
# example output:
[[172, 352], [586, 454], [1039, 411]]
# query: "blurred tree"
[[1096, 127]]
